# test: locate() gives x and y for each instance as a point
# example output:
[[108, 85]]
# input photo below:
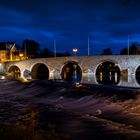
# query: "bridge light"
[[2, 77], [21, 54], [75, 50]]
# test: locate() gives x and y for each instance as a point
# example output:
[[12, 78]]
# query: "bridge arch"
[[71, 72], [128, 65], [14, 71], [137, 74], [107, 72], [40, 71]]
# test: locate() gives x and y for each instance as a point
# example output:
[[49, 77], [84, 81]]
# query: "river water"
[[81, 112]]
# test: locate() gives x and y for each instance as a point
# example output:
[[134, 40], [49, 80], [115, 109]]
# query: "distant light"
[[75, 50], [21, 54], [2, 77]]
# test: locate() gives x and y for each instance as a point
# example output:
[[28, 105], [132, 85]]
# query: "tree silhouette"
[[45, 52], [63, 54], [134, 49], [107, 51], [124, 51], [31, 48]]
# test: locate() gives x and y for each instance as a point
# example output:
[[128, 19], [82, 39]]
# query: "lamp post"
[[128, 44], [75, 50], [88, 46], [54, 48]]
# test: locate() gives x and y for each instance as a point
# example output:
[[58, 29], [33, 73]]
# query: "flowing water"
[[81, 112]]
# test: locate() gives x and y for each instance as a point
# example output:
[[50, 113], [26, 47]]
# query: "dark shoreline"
[[68, 111]]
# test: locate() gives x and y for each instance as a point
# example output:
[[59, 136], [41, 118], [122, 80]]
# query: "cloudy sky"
[[70, 22]]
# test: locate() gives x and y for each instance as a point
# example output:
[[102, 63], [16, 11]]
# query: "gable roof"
[[6, 45]]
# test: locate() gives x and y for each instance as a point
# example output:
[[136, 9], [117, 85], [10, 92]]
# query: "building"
[[3, 52], [8, 52], [3, 55]]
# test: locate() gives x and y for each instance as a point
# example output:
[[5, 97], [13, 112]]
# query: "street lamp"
[[75, 50], [21, 56]]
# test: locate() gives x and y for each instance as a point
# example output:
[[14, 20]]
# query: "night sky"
[[70, 22]]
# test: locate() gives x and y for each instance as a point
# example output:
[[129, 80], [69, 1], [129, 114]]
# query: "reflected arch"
[[40, 71], [14, 72], [108, 73], [71, 72], [137, 74]]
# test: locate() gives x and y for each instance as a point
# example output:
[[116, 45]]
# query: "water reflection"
[[71, 72], [108, 73]]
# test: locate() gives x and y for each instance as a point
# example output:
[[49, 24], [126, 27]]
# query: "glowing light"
[[77, 84], [24, 80], [21, 54], [75, 50], [2, 77]]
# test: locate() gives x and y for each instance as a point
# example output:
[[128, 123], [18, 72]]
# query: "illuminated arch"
[[71, 72], [14, 71], [107, 72]]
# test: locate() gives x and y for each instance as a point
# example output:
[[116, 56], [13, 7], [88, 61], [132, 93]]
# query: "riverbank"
[[65, 111]]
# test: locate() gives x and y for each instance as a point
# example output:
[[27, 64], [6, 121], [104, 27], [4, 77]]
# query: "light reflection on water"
[[90, 78], [129, 81], [110, 79], [107, 73]]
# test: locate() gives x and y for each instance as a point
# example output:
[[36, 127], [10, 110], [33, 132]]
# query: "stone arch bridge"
[[127, 64]]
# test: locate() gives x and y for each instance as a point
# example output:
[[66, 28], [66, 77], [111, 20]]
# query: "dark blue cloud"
[[71, 22]]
